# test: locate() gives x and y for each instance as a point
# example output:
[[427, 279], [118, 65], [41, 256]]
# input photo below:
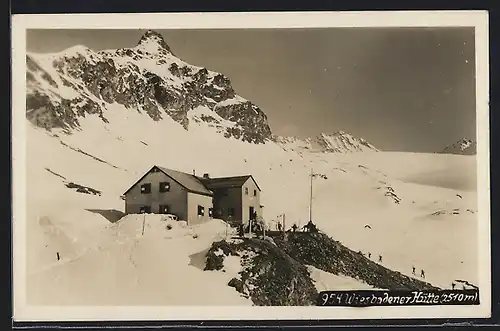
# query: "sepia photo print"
[[244, 166]]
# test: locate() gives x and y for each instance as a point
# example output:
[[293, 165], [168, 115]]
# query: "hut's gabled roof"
[[190, 182], [226, 182]]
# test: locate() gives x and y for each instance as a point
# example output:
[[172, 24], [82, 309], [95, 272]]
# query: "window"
[[164, 187], [146, 188], [145, 210], [210, 212], [246, 190], [201, 211], [254, 193], [230, 211], [164, 209]]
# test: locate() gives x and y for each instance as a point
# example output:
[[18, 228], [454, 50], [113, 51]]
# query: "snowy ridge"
[[342, 142], [294, 143], [339, 142]]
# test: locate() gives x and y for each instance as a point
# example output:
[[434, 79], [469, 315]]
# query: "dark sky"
[[406, 89]]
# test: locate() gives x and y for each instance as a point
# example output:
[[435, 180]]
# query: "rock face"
[[462, 147], [268, 276], [148, 78]]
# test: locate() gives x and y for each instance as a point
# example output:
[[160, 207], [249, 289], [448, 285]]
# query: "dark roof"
[[226, 182], [190, 182]]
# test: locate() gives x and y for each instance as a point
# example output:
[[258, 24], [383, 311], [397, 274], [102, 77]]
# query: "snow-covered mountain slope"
[[64, 87], [464, 146], [338, 142], [355, 190]]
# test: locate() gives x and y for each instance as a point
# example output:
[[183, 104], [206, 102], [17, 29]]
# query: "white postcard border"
[[20, 23]]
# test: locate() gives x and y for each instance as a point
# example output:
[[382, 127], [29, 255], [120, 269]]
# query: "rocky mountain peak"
[[63, 88], [153, 41]]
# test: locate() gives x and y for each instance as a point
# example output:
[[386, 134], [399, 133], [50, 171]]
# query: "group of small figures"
[[370, 256], [258, 227], [414, 272], [308, 227]]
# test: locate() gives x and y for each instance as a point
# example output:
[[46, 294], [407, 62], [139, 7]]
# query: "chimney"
[[206, 176]]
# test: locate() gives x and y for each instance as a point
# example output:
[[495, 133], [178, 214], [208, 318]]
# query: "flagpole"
[[311, 197]]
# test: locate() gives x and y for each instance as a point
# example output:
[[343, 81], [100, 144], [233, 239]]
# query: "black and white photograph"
[[218, 164]]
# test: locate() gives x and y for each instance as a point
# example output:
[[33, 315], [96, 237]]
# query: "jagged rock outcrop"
[[464, 146], [148, 78], [269, 277]]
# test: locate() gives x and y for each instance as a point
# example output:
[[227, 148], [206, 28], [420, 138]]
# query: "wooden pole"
[[143, 223], [263, 229]]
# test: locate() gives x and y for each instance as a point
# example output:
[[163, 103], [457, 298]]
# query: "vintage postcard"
[[251, 166]]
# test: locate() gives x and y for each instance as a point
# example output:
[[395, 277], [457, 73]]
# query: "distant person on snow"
[[452, 286], [380, 258], [413, 272], [422, 273], [369, 255], [279, 227], [294, 227]]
